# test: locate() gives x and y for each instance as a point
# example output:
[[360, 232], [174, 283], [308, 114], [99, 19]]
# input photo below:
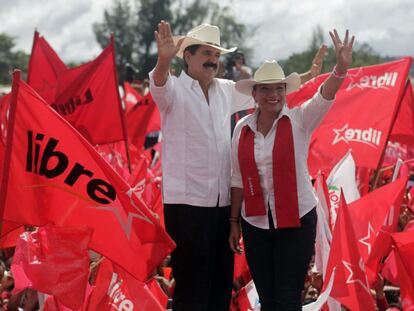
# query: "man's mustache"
[[208, 64]]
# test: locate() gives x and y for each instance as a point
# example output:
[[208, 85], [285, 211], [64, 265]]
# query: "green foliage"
[[120, 21], [134, 28], [149, 14], [363, 55], [233, 33], [9, 59]]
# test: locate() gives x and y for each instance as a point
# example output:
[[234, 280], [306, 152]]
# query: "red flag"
[[157, 292], [131, 97], [142, 119], [53, 175], [404, 255], [389, 269], [376, 211], [44, 68], [374, 216], [115, 155], [362, 178], [403, 129], [355, 120], [117, 290], [248, 298], [137, 179], [153, 197], [351, 285], [241, 268], [147, 185], [393, 152], [4, 107], [88, 98], [10, 233], [55, 261], [52, 304]]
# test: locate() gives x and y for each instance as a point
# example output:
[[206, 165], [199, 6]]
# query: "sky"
[[282, 27]]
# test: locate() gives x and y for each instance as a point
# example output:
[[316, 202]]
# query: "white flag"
[[342, 176], [323, 231]]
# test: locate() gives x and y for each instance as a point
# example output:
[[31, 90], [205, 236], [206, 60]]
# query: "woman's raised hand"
[[343, 50]]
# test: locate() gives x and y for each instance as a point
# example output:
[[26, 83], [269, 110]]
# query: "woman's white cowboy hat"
[[269, 72], [204, 34]]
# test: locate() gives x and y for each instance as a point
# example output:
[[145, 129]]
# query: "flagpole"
[[378, 169], [383, 169], [29, 69], [9, 144], [121, 110]]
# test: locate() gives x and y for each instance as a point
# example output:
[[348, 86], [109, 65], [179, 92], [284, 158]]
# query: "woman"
[[271, 190]]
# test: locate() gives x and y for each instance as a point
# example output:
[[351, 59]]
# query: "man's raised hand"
[[165, 43]]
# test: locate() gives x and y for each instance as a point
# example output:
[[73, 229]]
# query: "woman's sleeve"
[[236, 179]]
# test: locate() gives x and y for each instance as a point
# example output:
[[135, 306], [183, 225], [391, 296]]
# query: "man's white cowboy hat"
[[269, 72], [204, 34]]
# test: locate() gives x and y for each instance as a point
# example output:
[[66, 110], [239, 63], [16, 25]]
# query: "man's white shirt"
[[197, 139]]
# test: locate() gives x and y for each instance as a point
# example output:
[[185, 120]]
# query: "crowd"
[[202, 166], [386, 293]]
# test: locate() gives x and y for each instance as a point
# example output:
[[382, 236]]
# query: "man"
[[195, 113]]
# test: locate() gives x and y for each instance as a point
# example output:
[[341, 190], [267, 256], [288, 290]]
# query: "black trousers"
[[278, 260], [202, 263]]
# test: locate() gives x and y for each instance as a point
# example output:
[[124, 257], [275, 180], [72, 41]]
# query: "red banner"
[[375, 212], [361, 116], [131, 97], [404, 255], [350, 285], [117, 290], [87, 97], [55, 261], [44, 68], [142, 119], [53, 175], [4, 106], [403, 129]]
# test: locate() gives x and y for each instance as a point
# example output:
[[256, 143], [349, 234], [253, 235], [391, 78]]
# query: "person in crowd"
[[271, 191], [380, 299], [237, 68], [137, 86], [145, 84]]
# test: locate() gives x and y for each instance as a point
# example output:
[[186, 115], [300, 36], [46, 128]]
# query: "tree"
[[10, 60], [233, 33], [120, 21], [363, 55], [149, 14], [134, 27]]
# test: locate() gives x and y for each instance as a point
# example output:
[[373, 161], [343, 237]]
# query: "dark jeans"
[[278, 260], [202, 262]]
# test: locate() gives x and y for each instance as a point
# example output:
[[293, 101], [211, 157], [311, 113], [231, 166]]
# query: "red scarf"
[[284, 176]]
